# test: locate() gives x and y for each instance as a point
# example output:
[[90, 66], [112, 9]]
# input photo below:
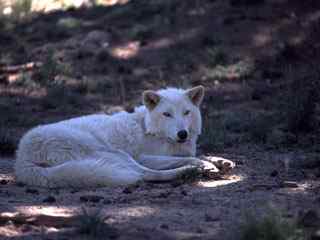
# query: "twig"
[[23, 67]]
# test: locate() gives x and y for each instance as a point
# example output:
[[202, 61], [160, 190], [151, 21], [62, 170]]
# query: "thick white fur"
[[121, 149]]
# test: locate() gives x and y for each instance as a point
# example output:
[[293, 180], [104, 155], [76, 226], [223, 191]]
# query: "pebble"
[[289, 184], [49, 199], [32, 191]]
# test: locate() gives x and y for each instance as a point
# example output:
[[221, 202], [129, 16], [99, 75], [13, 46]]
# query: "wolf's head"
[[174, 113]]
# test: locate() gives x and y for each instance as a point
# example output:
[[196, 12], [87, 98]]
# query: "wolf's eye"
[[167, 114], [186, 112]]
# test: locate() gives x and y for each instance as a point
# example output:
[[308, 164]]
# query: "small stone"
[[91, 198], [32, 191], [209, 218], [127, 190], [289, 184], [184, 192], [164, 226], [164, 194], [107, 201], [274, 173], [199, 230], [49, 199], [20, 184]]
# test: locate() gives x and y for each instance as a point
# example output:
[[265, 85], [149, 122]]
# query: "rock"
[[274, 173], [184, 192], [164, 194], [20, 184], [107, 201], [127, 190], [97, 38], [289, 184], [209, 218], [91, 198], [164, 226], [49, 199], [32, 191]]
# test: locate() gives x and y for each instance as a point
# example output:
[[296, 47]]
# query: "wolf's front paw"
[[224, 165]]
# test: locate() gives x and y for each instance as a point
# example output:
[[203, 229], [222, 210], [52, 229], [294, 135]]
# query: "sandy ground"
[[202, 210]]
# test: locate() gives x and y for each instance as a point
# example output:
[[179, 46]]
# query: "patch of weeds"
[[21, 9], [50, 69], [190, 176], [270, 227], [238, 70], [69, 23], [92, 224]]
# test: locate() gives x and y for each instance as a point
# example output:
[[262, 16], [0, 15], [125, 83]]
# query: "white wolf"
[[157, 142]]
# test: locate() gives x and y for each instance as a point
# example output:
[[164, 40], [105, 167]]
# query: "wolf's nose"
[[183, 134]]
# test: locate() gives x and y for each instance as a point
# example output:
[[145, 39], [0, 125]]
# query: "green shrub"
[[270, 227]]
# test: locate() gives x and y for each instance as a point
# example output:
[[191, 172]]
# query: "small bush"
[[50, 69], [270, 227], [92, 224]]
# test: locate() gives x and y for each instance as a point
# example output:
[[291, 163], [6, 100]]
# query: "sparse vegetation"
[[92, 223], [50, 69], [270, 227], [190, 176], [262, 107]]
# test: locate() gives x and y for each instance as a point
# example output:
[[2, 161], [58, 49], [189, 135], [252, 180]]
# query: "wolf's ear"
[[196, 95], [150, 99]]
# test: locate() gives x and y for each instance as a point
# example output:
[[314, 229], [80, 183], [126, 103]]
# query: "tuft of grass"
[[69, 23], [50, 69], [92, 224], [21, 9], [190, 176], [220, 69], [270, 227]]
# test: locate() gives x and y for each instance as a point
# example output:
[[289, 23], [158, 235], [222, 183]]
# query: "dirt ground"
[[96, 59]]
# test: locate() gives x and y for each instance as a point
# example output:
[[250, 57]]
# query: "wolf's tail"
[[112, 168]]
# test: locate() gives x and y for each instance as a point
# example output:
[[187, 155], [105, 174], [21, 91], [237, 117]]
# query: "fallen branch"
[[23, 67]]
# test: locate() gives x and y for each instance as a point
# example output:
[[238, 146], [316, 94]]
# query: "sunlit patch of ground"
[[24, 7], [217, 183]]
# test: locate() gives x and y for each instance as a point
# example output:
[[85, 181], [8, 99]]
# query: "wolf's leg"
[[107, 168], [224, 165], [46, 147], [171, 162]]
